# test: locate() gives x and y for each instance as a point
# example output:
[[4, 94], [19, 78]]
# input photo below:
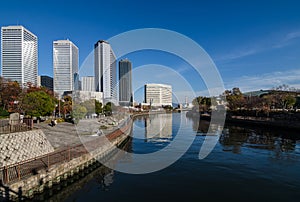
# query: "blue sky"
[[254, 44]]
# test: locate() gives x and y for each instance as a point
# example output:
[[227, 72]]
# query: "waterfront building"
[[19, 55], [65, 66], [125, 83], [45, 81], [105, 71], [158, 94], [88, 83]]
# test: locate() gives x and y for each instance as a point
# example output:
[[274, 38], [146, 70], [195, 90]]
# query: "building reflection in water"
[[158, 127]]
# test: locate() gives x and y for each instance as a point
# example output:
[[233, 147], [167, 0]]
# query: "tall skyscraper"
[[88, 83], [158, 94], [125, 83], [65, 66], [105, 71], [19, 54]]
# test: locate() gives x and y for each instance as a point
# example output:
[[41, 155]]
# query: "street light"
[[58, 108]]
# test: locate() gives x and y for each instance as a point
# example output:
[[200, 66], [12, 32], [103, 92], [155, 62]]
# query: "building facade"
[[45, 81], [158, 94], [105, 71], [19, 55], [88, 83], [65, 66], [125, 83], [81, 96]]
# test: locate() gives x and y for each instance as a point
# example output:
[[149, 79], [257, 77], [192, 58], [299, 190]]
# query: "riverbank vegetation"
[[282, 102]]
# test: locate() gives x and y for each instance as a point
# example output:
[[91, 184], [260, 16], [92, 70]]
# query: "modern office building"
[[19, 55], [65, 66], [158, 94], [88, 83], [105, 71], [45, 81], [125, 83]]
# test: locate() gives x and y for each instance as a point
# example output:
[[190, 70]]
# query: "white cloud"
[[292, 35], [238, 54], [266, 81], [261, 46]]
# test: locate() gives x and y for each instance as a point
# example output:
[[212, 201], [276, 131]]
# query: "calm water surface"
[[247, 164]]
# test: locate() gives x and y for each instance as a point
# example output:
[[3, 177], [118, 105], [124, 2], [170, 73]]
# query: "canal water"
[[248, 163]]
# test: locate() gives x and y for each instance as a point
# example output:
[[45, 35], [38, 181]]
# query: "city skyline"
[[255, 45]]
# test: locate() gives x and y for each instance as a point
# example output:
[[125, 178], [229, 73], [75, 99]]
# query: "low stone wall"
[[21, 146]]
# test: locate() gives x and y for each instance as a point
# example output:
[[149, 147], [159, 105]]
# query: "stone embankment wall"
[[21, 146], [53, 175]]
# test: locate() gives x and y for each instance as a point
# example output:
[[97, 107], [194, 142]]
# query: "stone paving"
[[67, 134], [62, 135]]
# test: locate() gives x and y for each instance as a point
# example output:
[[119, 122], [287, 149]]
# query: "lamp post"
[[58, 108], [54, 111]]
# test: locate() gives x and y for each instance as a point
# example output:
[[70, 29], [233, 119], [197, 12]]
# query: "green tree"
[[290, 101], [89, 105], [235, 99], [284, 100], [9, 95], [37, 103], [79, 112], [66, 105], [202, 103], [107, 109], [98, 107], [3, 113]]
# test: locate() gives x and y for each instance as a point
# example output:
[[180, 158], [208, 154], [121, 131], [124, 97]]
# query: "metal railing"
[[21, 170], [6, 127]]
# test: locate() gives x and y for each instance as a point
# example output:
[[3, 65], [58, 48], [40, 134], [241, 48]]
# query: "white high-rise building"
[[19, 55], [158, 94], [88, 83], [105, 71], [65, 66]]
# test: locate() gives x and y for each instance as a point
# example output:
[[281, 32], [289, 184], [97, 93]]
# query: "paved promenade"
[[68, 134]]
